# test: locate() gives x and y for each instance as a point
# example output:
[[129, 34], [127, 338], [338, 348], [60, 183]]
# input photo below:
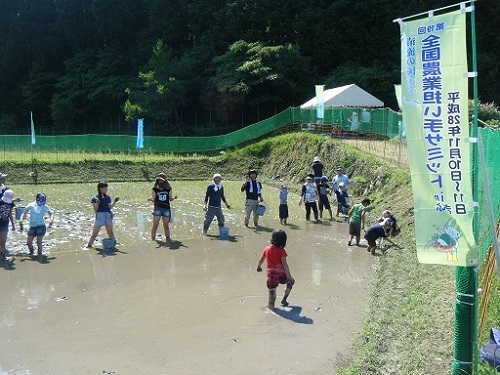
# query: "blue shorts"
[[39, 230], [103, 218], [161, 211], [4, 228]]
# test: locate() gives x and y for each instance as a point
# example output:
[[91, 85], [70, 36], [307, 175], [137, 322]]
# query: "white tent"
[[346, 96]]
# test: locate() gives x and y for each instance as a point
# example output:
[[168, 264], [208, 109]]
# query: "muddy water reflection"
[[192, 307]]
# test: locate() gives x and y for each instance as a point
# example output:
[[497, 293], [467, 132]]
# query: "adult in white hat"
[[6, 209], [317, 168], [213, 203]]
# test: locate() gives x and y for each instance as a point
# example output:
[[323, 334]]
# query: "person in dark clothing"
[[376, 231], [317, 168], [213, 202], [342, 196], [253, 191], [161, 196]]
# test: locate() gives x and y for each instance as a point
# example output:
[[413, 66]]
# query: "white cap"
[[217, 175], [341, 184], [8, 196], [316, 158], [2, 175]]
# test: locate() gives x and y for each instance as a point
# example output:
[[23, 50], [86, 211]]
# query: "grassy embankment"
[[408, 327]]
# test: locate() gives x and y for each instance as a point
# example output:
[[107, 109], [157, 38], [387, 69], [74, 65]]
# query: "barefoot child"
[[103, 204], [37, 211], [6, 207], [277, 267], [357, 219], [283, 207]]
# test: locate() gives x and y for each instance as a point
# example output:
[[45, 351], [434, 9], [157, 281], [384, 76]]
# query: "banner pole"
[[465, 344], [475, 182]]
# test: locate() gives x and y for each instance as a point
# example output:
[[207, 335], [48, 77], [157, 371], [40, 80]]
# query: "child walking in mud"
[[103, 205], [161, 195], [278, 271], [37, 211]]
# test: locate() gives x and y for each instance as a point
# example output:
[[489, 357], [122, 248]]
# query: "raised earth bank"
[[408, 327]]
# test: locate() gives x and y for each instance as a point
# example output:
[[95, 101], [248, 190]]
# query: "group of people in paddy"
[[315, 195]]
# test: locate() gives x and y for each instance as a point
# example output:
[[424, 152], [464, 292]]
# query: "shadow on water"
[[229, 238], [292, 226], [261, 228], [42, 259], [172, 244], [107, 253], [293, 313]]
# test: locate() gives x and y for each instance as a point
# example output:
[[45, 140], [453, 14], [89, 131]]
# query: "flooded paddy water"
[[191, 306]]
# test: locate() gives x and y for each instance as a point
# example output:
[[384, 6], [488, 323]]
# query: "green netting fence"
[[383, 122], [491, 140]]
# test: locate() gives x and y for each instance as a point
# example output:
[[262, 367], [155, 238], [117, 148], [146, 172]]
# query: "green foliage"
[[219, 65]]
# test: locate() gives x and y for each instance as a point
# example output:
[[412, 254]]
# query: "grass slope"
[[408, 326]]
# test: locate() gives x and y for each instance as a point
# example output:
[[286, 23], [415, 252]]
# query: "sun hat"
[[316, 158], [8, 196], [217, 175], [2, 175]]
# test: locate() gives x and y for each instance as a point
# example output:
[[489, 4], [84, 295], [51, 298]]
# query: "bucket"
[[223, 233], [108, 244], [19, 212], [261, 209]]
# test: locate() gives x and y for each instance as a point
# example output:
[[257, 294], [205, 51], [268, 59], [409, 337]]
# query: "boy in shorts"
[[357, 219], [37, 211], [277, 268], [324, 193]]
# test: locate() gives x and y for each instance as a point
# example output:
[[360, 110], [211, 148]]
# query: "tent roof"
[[346, 96]]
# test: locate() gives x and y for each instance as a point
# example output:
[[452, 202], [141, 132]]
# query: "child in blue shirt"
[[37, 211]]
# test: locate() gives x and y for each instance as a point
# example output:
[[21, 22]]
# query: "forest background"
[[199, 67]]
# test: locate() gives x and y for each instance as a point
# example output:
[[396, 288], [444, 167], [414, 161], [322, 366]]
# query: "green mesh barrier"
[[383, 121], [464, 313], [491, 140]]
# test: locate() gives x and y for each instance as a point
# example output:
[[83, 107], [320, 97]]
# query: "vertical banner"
[[435, 113], [33, 140], [140, 133], [320, 104]]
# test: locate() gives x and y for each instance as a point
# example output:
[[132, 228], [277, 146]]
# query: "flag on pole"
[[33, 140], [140, 133], [320, 103], [435, 113]]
